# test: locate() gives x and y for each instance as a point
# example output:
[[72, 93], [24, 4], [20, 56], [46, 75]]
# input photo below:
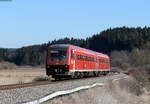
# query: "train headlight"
[[66, 66]]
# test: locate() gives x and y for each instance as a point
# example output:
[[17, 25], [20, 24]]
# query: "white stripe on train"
[[83, 70]]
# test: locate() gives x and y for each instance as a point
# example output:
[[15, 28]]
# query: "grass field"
[[21, 75]]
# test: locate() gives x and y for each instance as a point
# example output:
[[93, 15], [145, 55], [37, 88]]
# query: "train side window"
[[107, 61], [100, 60], [103, 61], [85, 58], [72, 54], [81, 57], [96, 60], [77, 57]]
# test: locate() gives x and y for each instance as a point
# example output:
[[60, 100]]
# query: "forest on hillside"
[[127, 44]]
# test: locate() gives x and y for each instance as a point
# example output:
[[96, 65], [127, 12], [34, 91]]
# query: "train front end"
[[57, 62]]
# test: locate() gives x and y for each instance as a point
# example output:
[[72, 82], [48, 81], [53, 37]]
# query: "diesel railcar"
[[64, 60]]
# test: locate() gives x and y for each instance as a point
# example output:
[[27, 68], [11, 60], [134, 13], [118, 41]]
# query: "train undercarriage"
[[62, 72]]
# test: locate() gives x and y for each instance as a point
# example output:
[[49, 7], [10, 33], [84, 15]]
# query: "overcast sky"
[[28, 22]]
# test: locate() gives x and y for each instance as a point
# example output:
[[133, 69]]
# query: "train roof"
[[67, 45]]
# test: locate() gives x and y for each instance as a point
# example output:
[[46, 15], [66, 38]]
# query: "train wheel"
[[74, 75], [104, 73], [57, 79], [99, 73], [80, 75], [95, 74]]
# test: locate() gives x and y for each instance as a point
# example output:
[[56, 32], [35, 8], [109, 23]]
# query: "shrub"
[[7, 65], [135, 58], [120, 59], [142, 76]]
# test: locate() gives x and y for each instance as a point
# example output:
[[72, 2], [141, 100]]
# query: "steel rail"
[[32, 84]]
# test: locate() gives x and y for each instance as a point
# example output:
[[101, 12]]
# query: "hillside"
[[108, 41]]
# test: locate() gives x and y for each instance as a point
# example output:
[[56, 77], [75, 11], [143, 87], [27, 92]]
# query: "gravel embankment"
[[99, 95], [28, 94]]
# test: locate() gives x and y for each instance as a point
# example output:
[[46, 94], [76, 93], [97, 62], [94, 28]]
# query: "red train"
[[64, 60]]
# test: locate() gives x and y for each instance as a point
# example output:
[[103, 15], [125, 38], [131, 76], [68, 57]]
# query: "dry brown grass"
[[7, 65], [21, 75], [141, 76], [115, 92]]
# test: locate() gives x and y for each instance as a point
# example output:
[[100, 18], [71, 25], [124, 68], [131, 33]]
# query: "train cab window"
[[58, 54]]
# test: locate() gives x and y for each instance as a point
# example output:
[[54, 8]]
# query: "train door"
[[73, 59], [97, 64], [78, 62]]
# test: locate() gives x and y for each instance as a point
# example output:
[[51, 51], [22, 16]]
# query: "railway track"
[[14, 86], [27, 92], [32, 84]]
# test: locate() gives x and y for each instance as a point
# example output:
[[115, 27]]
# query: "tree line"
[[108, 41]]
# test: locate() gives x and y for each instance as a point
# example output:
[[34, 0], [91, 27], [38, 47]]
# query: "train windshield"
[[58, 54]]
